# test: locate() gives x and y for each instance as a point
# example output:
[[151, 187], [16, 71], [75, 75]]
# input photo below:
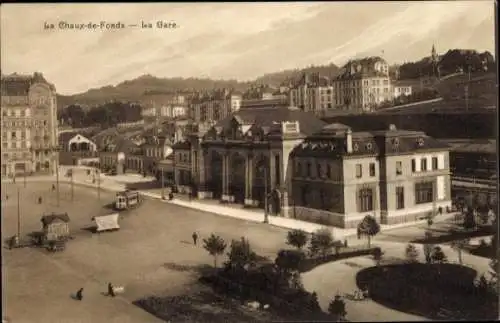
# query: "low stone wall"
[[316, 216]]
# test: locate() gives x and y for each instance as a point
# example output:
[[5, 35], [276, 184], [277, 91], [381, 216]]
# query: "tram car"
[[128, 199]]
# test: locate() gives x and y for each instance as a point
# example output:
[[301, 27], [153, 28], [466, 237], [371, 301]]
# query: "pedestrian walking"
[[79, 294], [111, 291], [40, 200], [195, 238], [170, 196], [53, 187]]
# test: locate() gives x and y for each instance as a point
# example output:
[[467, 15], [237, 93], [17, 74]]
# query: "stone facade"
[[29, 125]]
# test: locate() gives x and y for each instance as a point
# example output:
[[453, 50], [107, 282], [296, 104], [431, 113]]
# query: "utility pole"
[[72, 186], [266, 216], [162, 184], [18, 213], [98, 184]]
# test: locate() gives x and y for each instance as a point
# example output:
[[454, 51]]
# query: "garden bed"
[[438, 291], [453, 235]]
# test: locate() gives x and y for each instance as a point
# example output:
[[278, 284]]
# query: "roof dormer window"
[[369, 146], [395, 142], [420, 142], [355, 147]]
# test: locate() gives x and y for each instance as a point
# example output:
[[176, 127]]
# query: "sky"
[[229, 40]]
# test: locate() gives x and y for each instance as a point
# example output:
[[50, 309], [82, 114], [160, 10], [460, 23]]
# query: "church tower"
[[434, 62]]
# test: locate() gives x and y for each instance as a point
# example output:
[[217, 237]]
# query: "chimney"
[[392, 127], [348, 137]]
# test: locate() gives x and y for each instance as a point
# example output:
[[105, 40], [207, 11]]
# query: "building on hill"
[[363, 85], [323, 173], [29, 125], [401, 88], [214, 105], [312, 93]]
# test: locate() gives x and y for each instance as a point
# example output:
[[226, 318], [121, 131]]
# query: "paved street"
[[139, 256]]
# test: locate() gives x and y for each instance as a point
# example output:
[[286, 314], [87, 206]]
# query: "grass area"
[[453, 234], [438, 291]]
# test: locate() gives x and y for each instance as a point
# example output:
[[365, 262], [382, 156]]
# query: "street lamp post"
[[18, 213]]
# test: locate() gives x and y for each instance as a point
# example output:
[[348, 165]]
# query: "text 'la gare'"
[[159, 24]]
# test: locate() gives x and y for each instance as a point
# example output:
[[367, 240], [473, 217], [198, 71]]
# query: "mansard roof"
[[329, 143], [268, 116], [19, 85]]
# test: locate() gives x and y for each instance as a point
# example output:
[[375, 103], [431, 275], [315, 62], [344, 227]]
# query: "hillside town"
[[367, 194]]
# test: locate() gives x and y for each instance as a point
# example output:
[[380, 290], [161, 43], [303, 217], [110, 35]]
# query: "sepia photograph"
[[249, 162]]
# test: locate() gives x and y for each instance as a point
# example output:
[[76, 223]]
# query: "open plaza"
[[146, 254]]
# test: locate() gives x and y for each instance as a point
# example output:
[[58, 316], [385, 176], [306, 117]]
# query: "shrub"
[[310, 263], [241, 254], [321, 242], [411, 253], [438, 256], [296, 238], [289, 260], [337, 307]]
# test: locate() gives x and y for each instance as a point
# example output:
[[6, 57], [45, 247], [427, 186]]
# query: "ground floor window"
[[365, 200], [400, 197], [424, 192]]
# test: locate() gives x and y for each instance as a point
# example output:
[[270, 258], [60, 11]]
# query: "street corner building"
[[29, 125], [274, 155]]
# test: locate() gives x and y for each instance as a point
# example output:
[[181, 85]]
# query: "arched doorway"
[[237, 178], [215, 183], [261, 175]]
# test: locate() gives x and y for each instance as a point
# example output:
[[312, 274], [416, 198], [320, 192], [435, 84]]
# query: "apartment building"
[[215, 105], [29, 125], [312, 93], [363, 85]]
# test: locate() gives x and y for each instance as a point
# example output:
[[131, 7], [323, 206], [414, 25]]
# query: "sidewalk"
[[252, 215]]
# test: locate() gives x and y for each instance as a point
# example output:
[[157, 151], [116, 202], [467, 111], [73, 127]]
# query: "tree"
[[215, 246], [368, 227], [411, 253], [337, 308], [469, 220], [321, 242], [458, 245], [438, 256], [289, 261], [296, 238], [241, 254]]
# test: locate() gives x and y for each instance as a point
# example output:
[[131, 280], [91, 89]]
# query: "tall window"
[[423, 164], [400, 197], [319, 170], [298, 169], [424, 192], [322, 199], [328, 171], [365, 200], [399, 168], [434, 163], [303, 194], [372, 169], [13, 134], [308, 170], [359, 171], [413, 165]]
